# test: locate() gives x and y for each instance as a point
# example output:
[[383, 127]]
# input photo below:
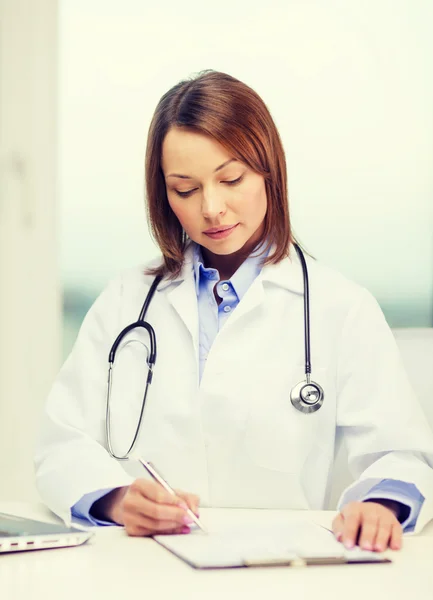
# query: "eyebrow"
[[217, 169]]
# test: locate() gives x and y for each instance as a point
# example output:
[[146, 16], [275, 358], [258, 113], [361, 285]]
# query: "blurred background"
[[350, 87], [349, 84]]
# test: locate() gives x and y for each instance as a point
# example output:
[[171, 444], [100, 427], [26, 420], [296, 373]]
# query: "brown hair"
[[222, 107]]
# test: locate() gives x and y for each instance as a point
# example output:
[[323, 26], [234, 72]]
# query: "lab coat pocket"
[[277, 435]]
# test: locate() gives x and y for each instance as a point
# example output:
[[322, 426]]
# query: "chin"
[[223, 248]]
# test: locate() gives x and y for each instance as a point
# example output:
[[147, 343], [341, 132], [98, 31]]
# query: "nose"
[[213, 205]]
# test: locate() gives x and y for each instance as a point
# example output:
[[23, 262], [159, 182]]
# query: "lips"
[[220, 233], [220, 228]]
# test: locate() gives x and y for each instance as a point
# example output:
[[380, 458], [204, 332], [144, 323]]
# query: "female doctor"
[[229, 415]]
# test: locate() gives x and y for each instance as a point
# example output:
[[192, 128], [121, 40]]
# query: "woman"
[[218, 419]]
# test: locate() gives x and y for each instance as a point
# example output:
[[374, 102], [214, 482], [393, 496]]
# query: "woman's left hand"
[[371, 525]]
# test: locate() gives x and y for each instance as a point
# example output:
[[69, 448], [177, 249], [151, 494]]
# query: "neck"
[[228, 264]]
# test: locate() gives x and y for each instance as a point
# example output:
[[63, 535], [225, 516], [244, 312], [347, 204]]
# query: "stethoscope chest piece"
[[307, 396]]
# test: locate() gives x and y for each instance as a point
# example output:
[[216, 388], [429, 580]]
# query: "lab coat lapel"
[[183, 297], [286, 274]]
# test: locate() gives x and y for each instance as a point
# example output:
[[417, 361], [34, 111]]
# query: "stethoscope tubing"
[[306, 312]]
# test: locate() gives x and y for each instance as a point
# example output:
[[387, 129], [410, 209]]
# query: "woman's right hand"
[[146, 508]]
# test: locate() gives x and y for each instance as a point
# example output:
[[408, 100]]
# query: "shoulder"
[[138, 276], [120, 300], [328, 277], [339, 291], [128, 285]]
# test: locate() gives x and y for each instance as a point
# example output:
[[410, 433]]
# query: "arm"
[[71, 460], [385, 430]]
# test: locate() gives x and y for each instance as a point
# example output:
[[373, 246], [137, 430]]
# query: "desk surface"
[[115, 566]]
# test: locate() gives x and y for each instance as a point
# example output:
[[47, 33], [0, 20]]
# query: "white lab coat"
[[234, 438]]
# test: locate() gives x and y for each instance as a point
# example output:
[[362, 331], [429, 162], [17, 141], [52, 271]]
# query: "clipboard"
[[300, 544]]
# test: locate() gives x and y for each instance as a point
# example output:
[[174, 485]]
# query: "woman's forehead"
[[183, 150]]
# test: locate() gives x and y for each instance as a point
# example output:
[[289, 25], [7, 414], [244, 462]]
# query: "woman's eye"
[[234, 181], [184, 194], [189, 192]]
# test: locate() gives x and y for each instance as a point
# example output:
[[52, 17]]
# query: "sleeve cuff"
[[402, 492], [81, 509]]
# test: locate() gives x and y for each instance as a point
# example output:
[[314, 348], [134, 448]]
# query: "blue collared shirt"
[[212, 318], [211, 315]]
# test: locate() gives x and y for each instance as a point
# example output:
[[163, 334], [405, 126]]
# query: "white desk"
[[114, 566]]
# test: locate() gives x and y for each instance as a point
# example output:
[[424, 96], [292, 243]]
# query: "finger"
[[338, 526], [351, 524], [396, 537], [383, 535], [152, 525], [191, 500], [183, 530], [141, 506], [154, 491], [369, 529]]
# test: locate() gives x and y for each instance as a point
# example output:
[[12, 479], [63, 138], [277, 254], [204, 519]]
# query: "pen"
[[150, 468]]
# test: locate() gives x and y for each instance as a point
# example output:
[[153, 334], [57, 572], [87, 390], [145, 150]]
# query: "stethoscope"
[[307, 396]]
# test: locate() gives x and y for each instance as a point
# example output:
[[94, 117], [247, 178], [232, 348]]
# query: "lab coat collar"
[[182, 296], [286, 274], [186, 271]]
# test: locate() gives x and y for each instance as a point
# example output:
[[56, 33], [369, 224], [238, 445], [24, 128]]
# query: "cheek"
[[181, 211], [176, 209], [255, 203]]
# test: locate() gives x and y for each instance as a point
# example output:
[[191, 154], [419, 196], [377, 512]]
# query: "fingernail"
[[366, 546], [187, 520], [378, 547], [348, 544], [338, 536], [185, 529], [183, 505]]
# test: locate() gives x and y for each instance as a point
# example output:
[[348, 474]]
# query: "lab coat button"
[[227, 308], [225, 286]]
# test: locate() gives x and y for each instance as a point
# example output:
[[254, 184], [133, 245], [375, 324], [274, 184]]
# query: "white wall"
[[30, 315], [350, 85]]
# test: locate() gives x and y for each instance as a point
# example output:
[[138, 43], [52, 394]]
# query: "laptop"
[[19, 533]]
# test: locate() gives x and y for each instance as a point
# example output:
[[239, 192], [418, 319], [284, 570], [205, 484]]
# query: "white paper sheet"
[[248, 543]]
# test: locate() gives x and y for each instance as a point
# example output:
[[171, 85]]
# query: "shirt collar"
[[200, 271], [287, 273], [241, 280]]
